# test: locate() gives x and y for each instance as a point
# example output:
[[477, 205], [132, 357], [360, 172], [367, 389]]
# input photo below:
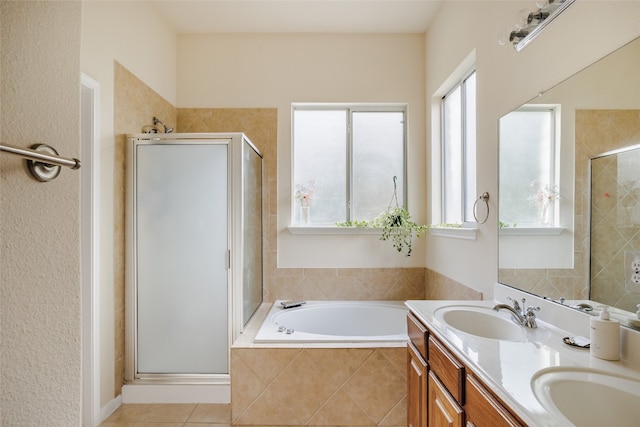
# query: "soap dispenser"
[[605, 336], [636, 322]]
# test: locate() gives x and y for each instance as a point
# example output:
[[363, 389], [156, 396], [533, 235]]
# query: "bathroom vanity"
[[469, 365], [442, 390]]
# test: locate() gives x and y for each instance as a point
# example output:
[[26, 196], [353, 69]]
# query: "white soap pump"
[[636, 322], [605, 336]]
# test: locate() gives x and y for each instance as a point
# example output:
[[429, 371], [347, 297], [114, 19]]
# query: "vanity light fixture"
[[530, 23]]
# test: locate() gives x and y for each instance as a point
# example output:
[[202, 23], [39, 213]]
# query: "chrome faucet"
[[520, 315]]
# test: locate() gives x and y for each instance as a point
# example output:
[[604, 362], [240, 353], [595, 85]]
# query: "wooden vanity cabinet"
[[417, 388], [416, 373], [442, 391], [443, 409], [482, 408]]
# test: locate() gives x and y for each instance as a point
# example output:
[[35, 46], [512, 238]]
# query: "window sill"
[[330, 229], [464, 233], [532, 231]]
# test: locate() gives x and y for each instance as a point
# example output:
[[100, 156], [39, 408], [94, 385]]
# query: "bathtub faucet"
[[291, 304]]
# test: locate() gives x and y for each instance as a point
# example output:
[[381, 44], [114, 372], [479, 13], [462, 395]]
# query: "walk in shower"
[[194, 261]]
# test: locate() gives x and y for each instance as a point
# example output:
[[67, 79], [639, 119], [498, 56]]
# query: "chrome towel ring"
[[485, 198]]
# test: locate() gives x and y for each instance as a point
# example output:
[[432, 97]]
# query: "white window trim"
[[465, 224]]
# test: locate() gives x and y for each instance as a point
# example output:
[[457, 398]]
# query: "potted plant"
[[396, 225]]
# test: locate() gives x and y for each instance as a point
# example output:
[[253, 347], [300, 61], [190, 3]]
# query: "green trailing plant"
[[448, 225], [396, 225]]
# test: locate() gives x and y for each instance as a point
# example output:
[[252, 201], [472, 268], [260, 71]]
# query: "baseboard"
[[110, 408], [176, 393]]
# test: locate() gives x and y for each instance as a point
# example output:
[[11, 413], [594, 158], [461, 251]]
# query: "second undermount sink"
[[587, 397], [480, 321]]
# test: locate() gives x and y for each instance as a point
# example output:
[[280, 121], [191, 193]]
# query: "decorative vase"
[[544, 214], [304, 213]]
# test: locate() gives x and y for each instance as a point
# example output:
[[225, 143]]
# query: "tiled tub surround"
[[507, 367], [312, 384]]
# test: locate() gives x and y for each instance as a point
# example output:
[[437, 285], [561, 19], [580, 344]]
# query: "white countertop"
[[507, 367]]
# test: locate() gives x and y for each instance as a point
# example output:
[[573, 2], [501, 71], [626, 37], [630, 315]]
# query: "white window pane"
[[378, 156], [470, 147], [526, 155], [452, 157], [320, 147]]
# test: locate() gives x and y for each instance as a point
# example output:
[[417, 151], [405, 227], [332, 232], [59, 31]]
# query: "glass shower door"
[[252, 227], [181, 199]]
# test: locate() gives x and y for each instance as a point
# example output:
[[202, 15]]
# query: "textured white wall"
[[39, 222], [506, 79]]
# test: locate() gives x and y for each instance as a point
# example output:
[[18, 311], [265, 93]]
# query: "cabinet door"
[[483, 409], [443, 410], [417, 388]]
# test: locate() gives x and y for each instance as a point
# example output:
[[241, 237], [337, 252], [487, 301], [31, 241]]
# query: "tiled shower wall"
[[136, 104], [603, 131]]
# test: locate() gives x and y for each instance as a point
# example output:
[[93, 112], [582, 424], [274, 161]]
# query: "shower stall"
[[194, 262]]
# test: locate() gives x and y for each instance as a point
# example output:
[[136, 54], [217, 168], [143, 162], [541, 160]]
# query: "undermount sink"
[[587, 397], [480, 321]]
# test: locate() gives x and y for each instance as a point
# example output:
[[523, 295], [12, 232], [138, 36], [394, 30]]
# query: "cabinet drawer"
[[443, 409], [482, 408], [448, 369], [418, 335]]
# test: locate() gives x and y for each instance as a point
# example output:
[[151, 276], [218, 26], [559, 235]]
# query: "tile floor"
[[170, 415], [174, 415]]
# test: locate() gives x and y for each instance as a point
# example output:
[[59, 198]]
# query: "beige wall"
[[40, 222], [132, 34], [135, 104], [275, 70], [505, 79]]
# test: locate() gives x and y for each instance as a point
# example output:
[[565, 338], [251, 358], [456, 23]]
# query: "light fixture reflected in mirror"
[[529, 23]]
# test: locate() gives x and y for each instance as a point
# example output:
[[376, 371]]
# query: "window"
[[344, 161], [459, 151], [528, 184]]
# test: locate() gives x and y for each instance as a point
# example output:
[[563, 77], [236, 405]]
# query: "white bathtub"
[[336, 322]]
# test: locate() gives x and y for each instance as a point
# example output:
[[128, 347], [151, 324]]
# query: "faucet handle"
[[530, 316], [515, 303]]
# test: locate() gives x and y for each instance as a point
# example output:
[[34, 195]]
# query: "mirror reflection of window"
[[528, 184]]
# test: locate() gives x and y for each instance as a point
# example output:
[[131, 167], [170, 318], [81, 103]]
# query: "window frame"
[[464, 207], [350, 109]]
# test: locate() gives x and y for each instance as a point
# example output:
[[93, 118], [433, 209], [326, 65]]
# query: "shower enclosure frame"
[[237, 316]]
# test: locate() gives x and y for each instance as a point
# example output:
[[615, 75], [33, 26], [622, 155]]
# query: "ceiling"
[[298, 16]]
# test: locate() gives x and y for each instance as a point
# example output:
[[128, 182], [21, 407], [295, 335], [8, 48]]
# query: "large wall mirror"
[[554, 241]]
